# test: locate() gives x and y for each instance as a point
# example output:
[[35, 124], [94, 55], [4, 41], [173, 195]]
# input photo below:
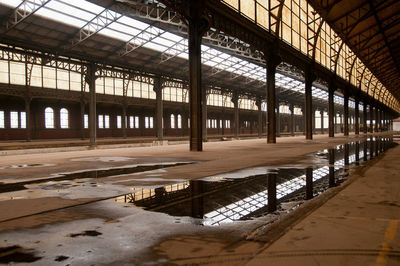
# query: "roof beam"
[[99, 22], [23, 11], [140, 39]]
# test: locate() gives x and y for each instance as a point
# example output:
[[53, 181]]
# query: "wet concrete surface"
[[124, 233]]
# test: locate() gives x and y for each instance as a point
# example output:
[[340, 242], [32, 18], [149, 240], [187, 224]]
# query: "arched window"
[[179, 121], [64, 118], [172, 121], [49, 117]]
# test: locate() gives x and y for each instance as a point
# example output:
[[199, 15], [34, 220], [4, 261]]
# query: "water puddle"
[[86, 233], [255, 192], [91, 174], [16, 253], [18, 166]]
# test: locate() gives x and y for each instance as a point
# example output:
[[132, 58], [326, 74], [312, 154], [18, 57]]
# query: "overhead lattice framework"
[[356, 40], [80, 27], [371, 28]]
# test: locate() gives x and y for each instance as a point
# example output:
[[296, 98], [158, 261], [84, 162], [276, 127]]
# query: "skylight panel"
[[155, 46], [60, 17], [115, 34], [78, 11], [163, 41], [84, 5], [13, 3], [122, 27]]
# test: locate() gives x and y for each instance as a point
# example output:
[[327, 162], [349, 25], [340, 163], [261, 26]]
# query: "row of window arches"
[[103, 120], [49, 118]]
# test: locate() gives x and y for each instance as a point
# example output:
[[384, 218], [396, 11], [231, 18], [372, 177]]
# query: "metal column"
[[309, 77], [346, 113], [91, 80], [260, 118], [28, 118], [235, 100], [331, 110], [82, 107], [272, 62], [322, 121], [365, 129], [197, 27], [292, 122], [356, 117], [204, 114]]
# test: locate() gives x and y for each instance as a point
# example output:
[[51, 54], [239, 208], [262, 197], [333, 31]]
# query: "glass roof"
[[93, 18]]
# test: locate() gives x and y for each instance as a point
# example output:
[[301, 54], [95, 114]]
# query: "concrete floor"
[[78, 222]]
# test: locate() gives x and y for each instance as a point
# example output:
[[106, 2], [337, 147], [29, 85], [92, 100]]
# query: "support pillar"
[[292, 122], [204, 115], [123, 118], [309, 77], [336, 122], [331, 110], [82, 107], [346, 112], [260, 119], [197, 27], [235, 101], [272, 62], [157, 88], [376, 119], [28, 118], [365, 129], [91, 80], [356, 117], [371, 118], [278, 119], [322, 121]]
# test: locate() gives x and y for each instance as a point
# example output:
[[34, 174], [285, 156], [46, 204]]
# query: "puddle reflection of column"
[[271, 183], [365, 150], [309, 183], [377, 146], [197, 188], [371, 148], [357, 153], [346, 154], [160, 192], [331, 158]]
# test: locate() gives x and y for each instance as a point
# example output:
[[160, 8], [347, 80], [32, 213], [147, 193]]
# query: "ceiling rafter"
[[23, 11]]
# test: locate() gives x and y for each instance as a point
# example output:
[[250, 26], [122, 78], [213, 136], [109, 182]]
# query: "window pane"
[[14, 119], [49, 117], [119, 124], [172, 121], [131, 122], [86, 121], [101, 121], [106, 121], [1, 119], [136, 122], [23, 119], [151, 122], [64, 118], [179, 121]]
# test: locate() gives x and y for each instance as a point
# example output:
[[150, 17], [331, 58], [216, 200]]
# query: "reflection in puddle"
[[97, 173], [36, 165], [249, 196]]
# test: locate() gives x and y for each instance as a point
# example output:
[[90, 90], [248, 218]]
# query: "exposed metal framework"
[[112, 28]]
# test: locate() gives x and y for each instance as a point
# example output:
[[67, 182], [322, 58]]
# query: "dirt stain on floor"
[[17, 254]]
